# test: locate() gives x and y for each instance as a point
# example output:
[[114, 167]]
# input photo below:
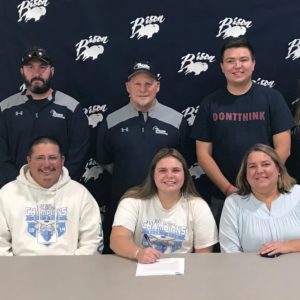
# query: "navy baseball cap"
[[145, 66], [36, 53]]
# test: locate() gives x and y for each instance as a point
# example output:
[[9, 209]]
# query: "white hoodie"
[[61, 220]]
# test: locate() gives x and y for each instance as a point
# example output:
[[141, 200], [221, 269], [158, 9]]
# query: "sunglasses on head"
[[36, 53]]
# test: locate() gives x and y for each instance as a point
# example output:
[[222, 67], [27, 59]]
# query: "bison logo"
[[146, 27], [94, 119], [294, 49], [32, 10], [195, 67], [195, 63], [234, 31], [196, 171], [147, 31], [233, 27], [91, 52], [91, 47], [92, 171]]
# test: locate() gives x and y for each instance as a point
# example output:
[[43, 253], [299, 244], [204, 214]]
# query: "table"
[[207, 276]]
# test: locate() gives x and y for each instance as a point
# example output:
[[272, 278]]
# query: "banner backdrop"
[[93, 42]]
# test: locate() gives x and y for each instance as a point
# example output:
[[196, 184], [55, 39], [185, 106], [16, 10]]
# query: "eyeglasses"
[[51, 158]]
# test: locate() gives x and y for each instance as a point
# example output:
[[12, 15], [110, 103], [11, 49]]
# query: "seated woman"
[[164, 214], [264, 215]]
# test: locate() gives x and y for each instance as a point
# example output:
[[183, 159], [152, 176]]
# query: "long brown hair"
[[148, 188]]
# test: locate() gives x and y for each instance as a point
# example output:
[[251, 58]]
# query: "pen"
[[147, 240]]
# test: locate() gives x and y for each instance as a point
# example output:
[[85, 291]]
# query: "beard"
[[38, 88]]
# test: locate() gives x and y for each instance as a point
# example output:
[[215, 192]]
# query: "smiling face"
[[142, 89], [37, 76], [169, 175], [45, 164], [238, 66], [262, 173]]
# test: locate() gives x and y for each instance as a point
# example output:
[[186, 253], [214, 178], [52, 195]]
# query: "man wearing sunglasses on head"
[[40, 110]]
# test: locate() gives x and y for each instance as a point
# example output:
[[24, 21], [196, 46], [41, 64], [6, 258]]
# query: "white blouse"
[[246, 223]]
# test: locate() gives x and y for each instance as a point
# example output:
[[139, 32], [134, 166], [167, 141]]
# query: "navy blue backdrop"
[[93, 42]]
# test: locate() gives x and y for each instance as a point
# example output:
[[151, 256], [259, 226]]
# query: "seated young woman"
[[165, 214], [264, 215]]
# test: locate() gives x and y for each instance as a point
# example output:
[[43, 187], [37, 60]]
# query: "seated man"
[[45, 212]]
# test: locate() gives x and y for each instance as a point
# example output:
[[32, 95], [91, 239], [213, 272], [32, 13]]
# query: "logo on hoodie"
[[32, 10], [91, 48], [233, 27], [146, 27], [45, 223]]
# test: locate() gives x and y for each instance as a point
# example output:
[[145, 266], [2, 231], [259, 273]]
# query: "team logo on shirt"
[[233, 27], [32, 10], [195, 63], [159, 131], [90, 48], [19, 113], [55, 114], [46, 223], [166, 237], [146, 27], [294, 49]]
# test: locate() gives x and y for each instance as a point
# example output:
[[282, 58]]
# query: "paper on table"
[[164, 266]]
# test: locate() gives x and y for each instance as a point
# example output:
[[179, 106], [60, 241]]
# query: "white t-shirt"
[[188, 225]]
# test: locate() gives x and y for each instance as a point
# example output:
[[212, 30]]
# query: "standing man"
[[44, 212], [233, 119], [131, 136], [40, 110]]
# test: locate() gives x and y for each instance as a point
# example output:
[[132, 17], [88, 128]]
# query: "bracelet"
[[228, 189], [137, 252]]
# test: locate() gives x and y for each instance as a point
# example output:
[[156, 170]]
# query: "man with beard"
[[40, 110]]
